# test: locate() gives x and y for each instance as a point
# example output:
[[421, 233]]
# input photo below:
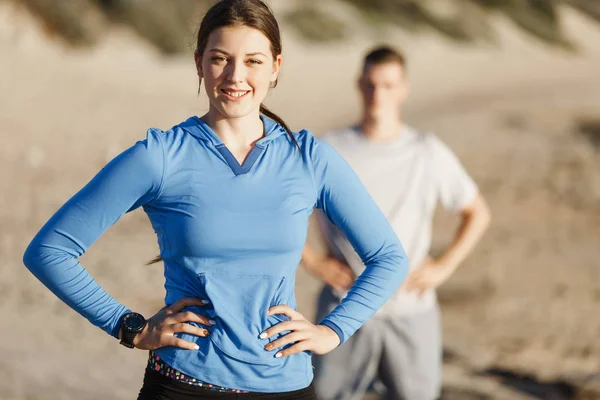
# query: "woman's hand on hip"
[[305, 335], [160, 329]]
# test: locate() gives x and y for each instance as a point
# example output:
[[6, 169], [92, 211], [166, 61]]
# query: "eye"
[[254, 61], [218, 59]]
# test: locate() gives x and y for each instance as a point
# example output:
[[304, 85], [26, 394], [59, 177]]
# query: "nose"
[[377, 94], [236, 72]]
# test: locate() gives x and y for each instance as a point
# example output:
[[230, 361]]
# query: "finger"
[[413, 285], [408, 284], [186, 302], [348, 273], [184, 344], [340, 288], [345, 279], [347, 282], [189, 316], [285, 310], [297, 348], [285, 340], [420, 287], [414, 278], [414, 274], [423, 289], [187, 328], [283, 327], [340, 285]]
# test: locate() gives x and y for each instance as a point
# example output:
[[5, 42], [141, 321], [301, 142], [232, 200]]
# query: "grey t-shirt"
[[407, 178]]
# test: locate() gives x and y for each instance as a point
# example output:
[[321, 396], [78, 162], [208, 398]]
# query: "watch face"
[[134, 322]]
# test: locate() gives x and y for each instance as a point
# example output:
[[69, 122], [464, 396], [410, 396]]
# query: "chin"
[[236, 112]]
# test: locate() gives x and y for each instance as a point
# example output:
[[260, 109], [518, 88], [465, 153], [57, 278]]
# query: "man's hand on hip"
[[429, 275], [336, 274]]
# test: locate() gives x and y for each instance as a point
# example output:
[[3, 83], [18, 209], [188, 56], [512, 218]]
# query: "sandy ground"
[[520, 317]]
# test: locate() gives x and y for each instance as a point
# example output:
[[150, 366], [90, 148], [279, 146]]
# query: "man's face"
[[383, 88]]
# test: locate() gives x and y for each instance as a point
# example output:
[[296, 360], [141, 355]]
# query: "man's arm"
[[433, 272], [476, 218], [326, 268]]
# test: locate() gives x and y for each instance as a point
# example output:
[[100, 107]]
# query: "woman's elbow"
[[400, 262], [32, 255], [40, 253]]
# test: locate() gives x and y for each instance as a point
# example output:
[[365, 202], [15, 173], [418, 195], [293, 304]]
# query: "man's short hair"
[[383, 55]]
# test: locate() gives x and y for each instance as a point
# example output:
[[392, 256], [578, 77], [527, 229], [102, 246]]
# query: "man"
[[407, 173]]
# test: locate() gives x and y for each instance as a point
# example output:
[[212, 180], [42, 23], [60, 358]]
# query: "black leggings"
[[160, 387]]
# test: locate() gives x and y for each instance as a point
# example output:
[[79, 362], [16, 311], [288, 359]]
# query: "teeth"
[[235, 94]]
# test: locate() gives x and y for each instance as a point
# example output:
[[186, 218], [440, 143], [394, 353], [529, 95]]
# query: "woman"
[[228, 195]]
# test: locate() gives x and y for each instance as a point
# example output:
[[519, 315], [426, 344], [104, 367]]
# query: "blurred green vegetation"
[[169, 25]]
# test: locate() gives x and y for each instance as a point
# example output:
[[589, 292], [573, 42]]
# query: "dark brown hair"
[[383, 55], [253, 14]]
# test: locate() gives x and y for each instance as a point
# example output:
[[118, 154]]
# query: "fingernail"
[[268, 347], [212, 321], [196, 347], [278, 355], [205, 301], [263, 335], [206, 333]]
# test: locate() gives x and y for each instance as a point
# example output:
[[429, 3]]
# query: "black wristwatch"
[[131, 324]]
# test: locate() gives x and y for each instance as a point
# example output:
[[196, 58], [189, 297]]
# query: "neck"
[[381, 129], [236, 133]]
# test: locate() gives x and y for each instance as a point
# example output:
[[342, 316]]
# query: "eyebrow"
[[226, 53]]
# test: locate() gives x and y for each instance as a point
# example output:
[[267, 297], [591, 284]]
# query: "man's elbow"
[[479, 212], [485, 214]]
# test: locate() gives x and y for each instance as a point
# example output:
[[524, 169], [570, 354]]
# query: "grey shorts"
[[404, 354]]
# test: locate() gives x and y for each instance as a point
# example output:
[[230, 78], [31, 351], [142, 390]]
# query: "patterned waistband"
[[155, 363]]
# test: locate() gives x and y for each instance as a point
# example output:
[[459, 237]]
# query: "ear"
[[276, 69], [198, 60]]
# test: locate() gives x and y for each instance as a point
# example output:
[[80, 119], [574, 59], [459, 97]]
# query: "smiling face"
[[238, 68]]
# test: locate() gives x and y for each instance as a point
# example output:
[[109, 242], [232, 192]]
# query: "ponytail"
[[155, 260], [270, 114]]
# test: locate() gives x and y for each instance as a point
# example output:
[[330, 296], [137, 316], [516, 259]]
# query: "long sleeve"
[[346, 202], [129, 181]]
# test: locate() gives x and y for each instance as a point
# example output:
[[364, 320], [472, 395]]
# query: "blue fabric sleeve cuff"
[[335, 328]]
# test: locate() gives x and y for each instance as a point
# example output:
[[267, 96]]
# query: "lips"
[[234, 95]]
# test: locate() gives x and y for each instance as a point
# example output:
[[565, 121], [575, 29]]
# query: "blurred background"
[[513, 86]]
